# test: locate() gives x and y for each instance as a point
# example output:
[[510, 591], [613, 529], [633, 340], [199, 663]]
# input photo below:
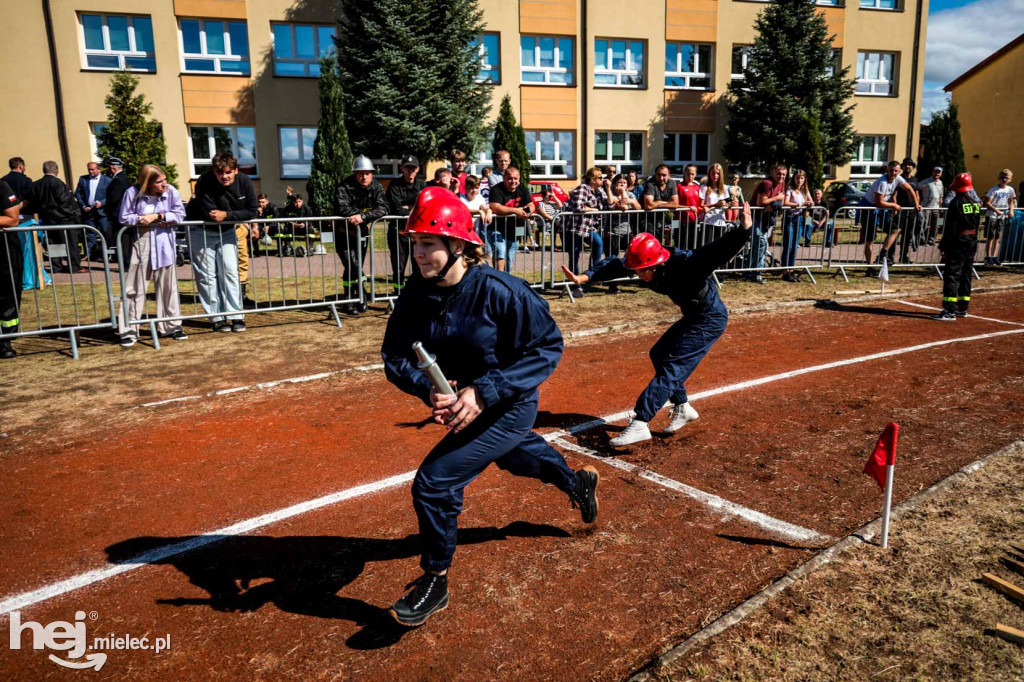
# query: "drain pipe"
[[583, 90], [58, 96], [911, 122]]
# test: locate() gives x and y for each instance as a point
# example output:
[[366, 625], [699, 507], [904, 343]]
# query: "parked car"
[[845, 193], [537, 190]]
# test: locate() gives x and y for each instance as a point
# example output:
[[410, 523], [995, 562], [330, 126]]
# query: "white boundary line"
[[782, 528], [26, 599], [970, 315]]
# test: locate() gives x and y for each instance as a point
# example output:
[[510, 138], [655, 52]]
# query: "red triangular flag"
[[885, 453]]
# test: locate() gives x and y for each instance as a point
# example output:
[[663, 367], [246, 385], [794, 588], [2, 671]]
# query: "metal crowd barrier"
[[76, 302], [322, 276]]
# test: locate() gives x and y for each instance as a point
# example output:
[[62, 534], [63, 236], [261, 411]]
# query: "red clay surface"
[[535, 593]]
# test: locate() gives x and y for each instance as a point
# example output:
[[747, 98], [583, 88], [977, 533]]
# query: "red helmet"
[[645, 252], [439, 211], [962, 183]]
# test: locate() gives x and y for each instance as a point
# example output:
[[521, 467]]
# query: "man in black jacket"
[[53, 202], [958, 246], [360, 200], [222, 195], [119, 184], [401, 196], [20, 183]]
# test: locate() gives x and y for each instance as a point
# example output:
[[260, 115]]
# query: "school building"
[[592, 81]]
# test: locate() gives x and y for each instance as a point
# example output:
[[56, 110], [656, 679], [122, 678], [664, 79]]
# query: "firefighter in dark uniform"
[[686, 278], [10, 269], [958, 245], [401, 196], [360, 200], [496, 342]]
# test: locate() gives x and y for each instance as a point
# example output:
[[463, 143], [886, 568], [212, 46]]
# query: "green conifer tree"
[[790, 77], [814, 157], [943, 145], [129, 134], [408, 70], [509, 135], [332, 156]]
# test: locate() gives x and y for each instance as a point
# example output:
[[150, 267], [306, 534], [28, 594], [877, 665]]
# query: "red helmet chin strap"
[[452, 258]]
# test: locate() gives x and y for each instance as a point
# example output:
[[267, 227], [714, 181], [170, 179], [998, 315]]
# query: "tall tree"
[[509, 135], [129, 134], [943, 145], [791, 77], [408, 70], [332, 156]]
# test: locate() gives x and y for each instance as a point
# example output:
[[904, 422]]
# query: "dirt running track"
[[535, 593]]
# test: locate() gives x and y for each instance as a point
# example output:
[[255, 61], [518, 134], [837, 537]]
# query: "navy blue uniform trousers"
[[676, 354], [500, 434]]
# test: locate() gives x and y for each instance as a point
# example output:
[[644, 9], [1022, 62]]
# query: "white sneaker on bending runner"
[[635, 432], [681, 416]]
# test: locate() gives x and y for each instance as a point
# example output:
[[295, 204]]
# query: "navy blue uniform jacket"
[[686, 276], [490, 330]]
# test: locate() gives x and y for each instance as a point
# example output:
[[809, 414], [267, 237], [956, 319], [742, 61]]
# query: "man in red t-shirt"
[[768, 196]]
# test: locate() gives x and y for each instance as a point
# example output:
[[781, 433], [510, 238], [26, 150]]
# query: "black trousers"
[[398, 253], [70, 239], [956, 276], [349, 246], [11, 272]]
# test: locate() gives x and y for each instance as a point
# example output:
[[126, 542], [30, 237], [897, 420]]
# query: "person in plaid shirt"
[[584, 228]]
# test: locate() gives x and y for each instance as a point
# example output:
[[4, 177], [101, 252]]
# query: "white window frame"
[[877, 4], [622, 76], [744, 60], [302, 132], [548, 70], [608, 159], [387, 168], [218, 59], [863, 58], [875, 166], [559, 159], [193, 160], [486, 65], [94, 141], [132, 52], [688, 75], [690, 153], [483, 159], [306, 62]]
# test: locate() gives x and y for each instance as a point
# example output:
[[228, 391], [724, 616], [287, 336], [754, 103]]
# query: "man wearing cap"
[[931, 191], [959, 244], [360, 200], [401, 196], [119, 184]]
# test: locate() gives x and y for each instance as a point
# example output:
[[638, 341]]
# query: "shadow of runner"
[[871, 310], [301, 574], [768, 542]]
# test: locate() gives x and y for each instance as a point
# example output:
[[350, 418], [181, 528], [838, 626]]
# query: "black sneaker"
[[961, 313], [945, 316], [584, 495], [6, 351], [127, 341], [237, 325], [221, 326], [178, 334], [428, 596]]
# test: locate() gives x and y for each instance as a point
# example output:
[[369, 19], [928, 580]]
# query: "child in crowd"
[[476, 203], [1000, 202]]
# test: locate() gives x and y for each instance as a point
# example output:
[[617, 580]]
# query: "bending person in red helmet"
[[685, 277], [496, 342], [958, 245]]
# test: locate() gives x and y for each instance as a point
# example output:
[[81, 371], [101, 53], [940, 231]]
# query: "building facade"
[[989, 98], [592, 81]]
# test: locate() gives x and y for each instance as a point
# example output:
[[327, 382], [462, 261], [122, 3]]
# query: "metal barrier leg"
[[74, 344], [842, 271], [156, 337], [975, 273], [810, 275], [334, 311], [938, 271]]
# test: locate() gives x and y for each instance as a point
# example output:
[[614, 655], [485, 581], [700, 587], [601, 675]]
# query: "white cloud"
[[933, 99], [961, 37]]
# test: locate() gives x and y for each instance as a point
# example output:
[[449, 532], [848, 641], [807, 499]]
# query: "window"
[[879, 4], [625, 151], [836, 65], [688, 66], [387, 168], [114, 42], [214, 47], [619, 63], [870, 156], [480, 161], [299, 47], [208, 140], [875, 75], [831, 3], [490, 58], [296, 151], [682, 149], [95, 129], [546, 59], [551, 153], [740, 59]]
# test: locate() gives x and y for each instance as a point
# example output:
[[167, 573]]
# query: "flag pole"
[[887, 508]]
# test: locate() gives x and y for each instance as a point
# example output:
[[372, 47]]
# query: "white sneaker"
[[634, 433], [681, 416]]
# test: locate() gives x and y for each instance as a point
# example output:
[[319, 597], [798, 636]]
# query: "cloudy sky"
[[961, 34]]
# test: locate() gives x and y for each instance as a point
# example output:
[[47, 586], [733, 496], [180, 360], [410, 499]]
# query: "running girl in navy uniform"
[[685, 277], [496, 343]]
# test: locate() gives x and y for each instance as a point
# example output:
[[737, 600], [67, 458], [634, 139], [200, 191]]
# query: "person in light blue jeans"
[[501, 246]]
